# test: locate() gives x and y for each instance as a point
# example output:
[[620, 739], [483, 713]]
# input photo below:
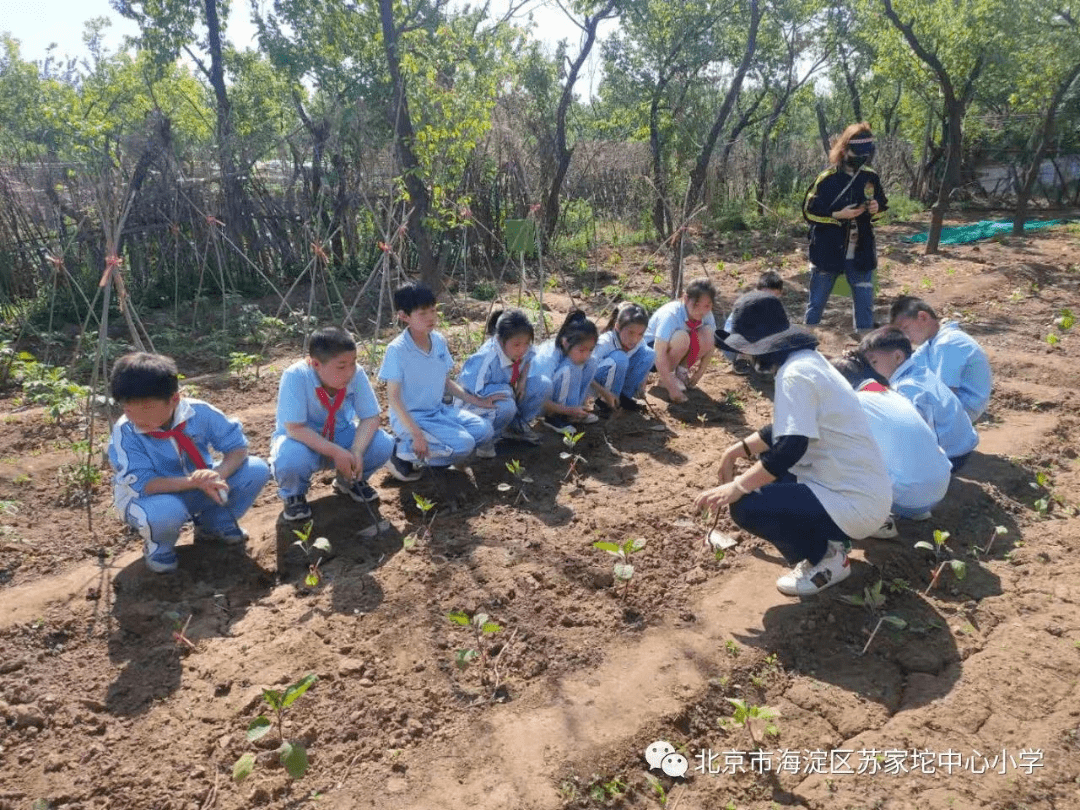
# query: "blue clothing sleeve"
[[391, 369], [292, 398], [953, 359], [129, 459], [225, 434], [363, 396]]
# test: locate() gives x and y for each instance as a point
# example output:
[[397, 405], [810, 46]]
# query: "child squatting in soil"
[[623, 359], [681, 334], [327, 418], [948, 351], [416, 368], [160, 452], [568, 361], [504, 365], [889, 353]]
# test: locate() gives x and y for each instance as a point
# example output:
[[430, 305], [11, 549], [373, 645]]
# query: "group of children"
[[328, 416]]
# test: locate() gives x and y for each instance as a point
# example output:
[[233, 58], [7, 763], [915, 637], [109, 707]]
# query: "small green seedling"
[[998, 531], [309, 547], [874, 601], [959, 567], [245, 367], [180, 630], [749, 717], [1042, 482], [623, 570], [483, 632], [517, 469], [571, 440], [658, 788], [293, 755], [422, 536], [1065, 321], [1052, 339], [732, 648]]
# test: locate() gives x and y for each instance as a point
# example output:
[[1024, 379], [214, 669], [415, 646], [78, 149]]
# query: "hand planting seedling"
[[959, 568], [314, 576], [749, 716], [422, 536], [517, 469], [874, 601], [483, 631], [180, 630], [293, 755], [571, 440], [622, 569]]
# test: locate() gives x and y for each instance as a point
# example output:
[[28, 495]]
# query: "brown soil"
[[104, 709]]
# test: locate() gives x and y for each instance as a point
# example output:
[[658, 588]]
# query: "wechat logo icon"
[[661, 754]]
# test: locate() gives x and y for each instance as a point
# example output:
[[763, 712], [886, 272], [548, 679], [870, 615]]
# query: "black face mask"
[[857, 161]]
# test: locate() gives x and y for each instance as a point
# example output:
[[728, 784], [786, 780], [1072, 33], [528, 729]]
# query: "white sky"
[[38, 24]]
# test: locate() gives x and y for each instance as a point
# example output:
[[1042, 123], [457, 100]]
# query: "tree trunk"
[[955, 114], [661, 215], [401, 124], [823, 127]]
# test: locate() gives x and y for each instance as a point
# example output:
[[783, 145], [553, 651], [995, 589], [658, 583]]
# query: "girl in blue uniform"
[[504, 365], [416, 368], [623, 359], [568, 362]]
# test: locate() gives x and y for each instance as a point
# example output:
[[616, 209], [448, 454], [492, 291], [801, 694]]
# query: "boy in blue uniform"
[[681, 334], [948, 351], [160, 452], [327, 418], [416, 368], [889, 353]]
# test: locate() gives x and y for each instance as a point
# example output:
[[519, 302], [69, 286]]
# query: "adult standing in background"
[[840, 207]]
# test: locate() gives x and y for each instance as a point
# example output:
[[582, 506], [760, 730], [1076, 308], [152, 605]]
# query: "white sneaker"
[[486, 450], [887, 531], [590, 419], [806, 579], [921, 516]]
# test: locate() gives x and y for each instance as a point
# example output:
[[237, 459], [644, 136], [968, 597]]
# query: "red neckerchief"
[[331, 409], [695, 345], [874, 386], [184, 444], [515, 372]]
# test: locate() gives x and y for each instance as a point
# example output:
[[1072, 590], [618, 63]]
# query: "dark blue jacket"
[[832, 190]]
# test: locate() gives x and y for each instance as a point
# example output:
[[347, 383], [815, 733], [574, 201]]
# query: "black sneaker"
[[359, 491], [296, 508], [401, 469], [631, 404], [220, 538], [602, 409], [559, 423], [742, 366]]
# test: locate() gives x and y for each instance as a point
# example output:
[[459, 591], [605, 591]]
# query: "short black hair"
[[141, 375], [505, 324], [856, 370], [886, 339], [770, 280], [328, 342], [413, 296], [699, 287], [909, 306]]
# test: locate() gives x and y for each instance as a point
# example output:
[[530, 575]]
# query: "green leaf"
[[623, 571], [959, 568], [480, 619], [312, 580], [297, 689], [465, 657], [408, 542], [504, 487], [1000, 530], [637, 544], [491, 627], [273, 697], [610, 548], [852, 599], [940, 537], [294, 758], [259, 728], [895, 621], [924, 545], [243, 767], [322, 544], [458, 617]]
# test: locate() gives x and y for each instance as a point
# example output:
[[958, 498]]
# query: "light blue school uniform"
[[451, 433], [137, 458], [488, 371], [569, 383], [671, 318], [937, 405], [620, 371], [961, 364], [293, 462], [918, 467], [729, 324]]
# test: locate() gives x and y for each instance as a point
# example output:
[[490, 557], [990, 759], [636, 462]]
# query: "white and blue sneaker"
[[160, 559]]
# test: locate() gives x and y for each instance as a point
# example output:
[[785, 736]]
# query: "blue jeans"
[[862, 294], [788, 515]]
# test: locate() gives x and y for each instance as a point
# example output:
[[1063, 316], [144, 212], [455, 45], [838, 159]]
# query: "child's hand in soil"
[[215, 487]]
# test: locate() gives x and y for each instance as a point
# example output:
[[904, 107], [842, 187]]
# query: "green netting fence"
[[986, 229]]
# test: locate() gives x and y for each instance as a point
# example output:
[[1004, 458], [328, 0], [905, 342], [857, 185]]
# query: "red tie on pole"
[[331, 409], [515, 372], [183, 442], [695, 344]]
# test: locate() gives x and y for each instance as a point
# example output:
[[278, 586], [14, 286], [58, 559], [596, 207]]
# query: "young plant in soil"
[[517, 469], [422, 536], [484, 631], [311, 548], [180, 629], [293, 755], [750, 717], [874, 601], [571, 440], [942, 555], [622, 569], [245, 367], [998, 531]]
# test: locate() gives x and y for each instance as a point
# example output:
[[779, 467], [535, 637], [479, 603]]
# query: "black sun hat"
[[760, 325]]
